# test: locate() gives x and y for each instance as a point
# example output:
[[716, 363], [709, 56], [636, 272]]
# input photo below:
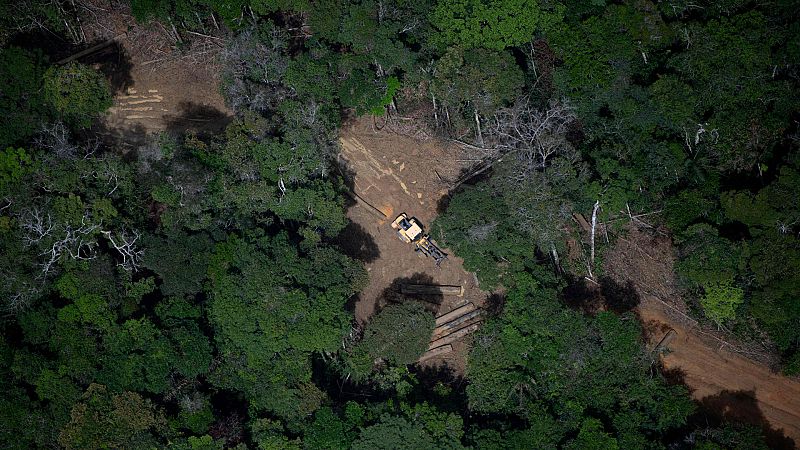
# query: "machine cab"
[[408, 229]]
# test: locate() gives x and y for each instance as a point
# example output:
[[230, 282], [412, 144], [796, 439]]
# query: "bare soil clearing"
[[714, 367], [396, 174], [157, 87]]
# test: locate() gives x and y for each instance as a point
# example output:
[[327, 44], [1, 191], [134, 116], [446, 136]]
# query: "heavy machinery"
[[410, 231]]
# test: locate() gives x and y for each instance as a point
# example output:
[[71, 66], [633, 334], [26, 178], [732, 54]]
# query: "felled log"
[[446, 328], [431, 289], [665, 341], [454, 336], [443, 350], [458, 312]]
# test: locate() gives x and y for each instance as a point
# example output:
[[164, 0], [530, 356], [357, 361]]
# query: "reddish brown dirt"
[[397, 174], [721, 373]]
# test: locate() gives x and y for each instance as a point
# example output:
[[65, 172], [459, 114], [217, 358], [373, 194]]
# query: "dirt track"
[[727, 383], [398, 174]]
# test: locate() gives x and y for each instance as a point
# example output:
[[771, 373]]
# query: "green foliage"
[[479, 229], [393, 432], [329, 432], [77, 93], [359, 88], [104, 420], [592, 436], [22, 105], [235, 314], [14, 164], [398, 334], [525, 362], [271, 307], [481, 80], [495, 24], [180, 262], [721, 300], [729, 66], [709, 259], [143, 10]]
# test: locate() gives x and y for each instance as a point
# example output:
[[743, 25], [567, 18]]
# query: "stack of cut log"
[[452, 326]]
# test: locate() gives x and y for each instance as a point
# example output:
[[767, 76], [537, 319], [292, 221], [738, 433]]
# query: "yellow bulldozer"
[[410, 231]]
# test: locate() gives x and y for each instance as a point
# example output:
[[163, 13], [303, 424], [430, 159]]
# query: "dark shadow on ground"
[[619, 298], [200, 119], [114, 62], [581, 295], [465, 178], [495, 303], [394, 293], [439, 385], [734, 408], [122, 140], [605, 295], [355, 242], [742, 407]]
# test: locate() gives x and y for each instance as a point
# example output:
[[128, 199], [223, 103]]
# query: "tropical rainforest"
[[194, 296]]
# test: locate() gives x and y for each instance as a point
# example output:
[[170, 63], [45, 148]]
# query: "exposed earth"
[[395, 174], [729, 378]]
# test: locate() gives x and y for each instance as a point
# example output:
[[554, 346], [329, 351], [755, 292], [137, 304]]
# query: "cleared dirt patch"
[[391, 174], [715, 368], [158, 87]]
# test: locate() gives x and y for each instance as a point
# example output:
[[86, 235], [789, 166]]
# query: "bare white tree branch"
[[124, 243]]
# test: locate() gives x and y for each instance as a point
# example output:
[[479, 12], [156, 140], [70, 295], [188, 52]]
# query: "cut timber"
[[443, 350], [458, 312], [369, 207], [582, 222], [431, 289], [665, 341], [454, 336], [446, 328], [88, 51]]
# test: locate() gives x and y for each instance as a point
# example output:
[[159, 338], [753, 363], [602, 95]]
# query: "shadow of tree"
[[495, 303], [355, 242], [606, 295], [742, 407], [394, 292], [114, 62], [440, 385], [197, 118], [618, 297]]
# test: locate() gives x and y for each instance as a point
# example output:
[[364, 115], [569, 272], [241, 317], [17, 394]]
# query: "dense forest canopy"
[[192, 295]]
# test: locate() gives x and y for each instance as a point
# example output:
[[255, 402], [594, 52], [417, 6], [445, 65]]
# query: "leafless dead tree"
[[19, 295], [58, 240], [55, 138], [481, 232], [255, 67], [533, 135], [124, 242]]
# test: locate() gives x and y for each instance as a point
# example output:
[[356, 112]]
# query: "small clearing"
[[391, 174], [158, 88], [723, 375]]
